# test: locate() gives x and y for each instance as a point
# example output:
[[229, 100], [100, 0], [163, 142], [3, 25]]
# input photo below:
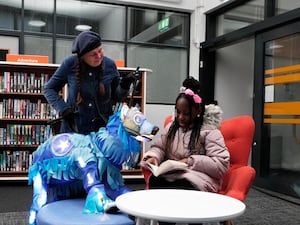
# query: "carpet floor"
[[262, 208]]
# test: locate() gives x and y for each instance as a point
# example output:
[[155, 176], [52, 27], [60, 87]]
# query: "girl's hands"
[[185, 160], [152, 160]]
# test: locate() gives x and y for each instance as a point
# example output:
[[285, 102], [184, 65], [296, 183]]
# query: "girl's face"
[[94, 57], [183, 114]]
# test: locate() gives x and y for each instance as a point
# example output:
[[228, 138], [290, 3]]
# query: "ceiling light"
[[82, 27], [36, 23], [275, 46]]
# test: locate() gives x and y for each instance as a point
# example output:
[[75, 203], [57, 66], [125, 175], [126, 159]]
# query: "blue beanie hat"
[[85, 42]]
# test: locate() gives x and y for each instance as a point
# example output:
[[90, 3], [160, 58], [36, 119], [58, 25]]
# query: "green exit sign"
[[164, 24]]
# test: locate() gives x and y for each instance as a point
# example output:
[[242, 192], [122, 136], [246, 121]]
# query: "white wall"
[[156, 114], [234, 78]]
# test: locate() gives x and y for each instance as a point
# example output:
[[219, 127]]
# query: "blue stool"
[[70, 212]]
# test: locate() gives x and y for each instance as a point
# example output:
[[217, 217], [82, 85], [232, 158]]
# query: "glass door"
[[279, 74]]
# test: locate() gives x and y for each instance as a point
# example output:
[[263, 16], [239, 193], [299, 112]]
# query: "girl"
[[193, 138]]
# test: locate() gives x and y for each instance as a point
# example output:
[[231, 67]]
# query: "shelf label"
[[27, 58]]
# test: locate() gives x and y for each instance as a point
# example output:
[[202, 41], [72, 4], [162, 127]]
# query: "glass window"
[[283, 6], [90, 16], [34, 45], [114, 51], [38, 16], [281, 107], [63, 49], [10, 14], [169, 70], [155, 26], [239, 17]]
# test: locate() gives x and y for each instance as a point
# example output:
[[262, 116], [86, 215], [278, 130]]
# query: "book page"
[[165, 167]]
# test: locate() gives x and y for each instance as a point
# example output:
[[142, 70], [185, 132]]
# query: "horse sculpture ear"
[[124, 111]]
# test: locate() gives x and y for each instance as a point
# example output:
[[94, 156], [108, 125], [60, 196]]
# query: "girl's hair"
[[194, 143], [79, 78]]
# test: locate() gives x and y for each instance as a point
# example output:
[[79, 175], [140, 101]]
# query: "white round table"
[[181, 206]]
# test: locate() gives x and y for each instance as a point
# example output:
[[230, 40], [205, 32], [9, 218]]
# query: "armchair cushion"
[[238, 134]]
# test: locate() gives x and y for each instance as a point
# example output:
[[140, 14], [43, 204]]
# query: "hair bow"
[[197, 98]]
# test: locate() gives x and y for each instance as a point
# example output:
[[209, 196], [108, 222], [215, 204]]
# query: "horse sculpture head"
[[136, 124], [133, 121], [126, 127]]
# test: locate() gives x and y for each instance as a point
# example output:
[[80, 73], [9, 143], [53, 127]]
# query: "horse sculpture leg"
[[40, 195], [101, 195], [96, 201]]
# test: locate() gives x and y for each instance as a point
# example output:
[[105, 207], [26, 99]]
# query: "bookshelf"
[[24, 115], [137, 98]]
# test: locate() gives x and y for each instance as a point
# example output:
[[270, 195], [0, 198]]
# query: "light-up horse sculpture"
[[70, 163]]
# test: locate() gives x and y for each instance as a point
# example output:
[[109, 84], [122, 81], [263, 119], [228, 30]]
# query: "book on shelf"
[[168, 166], [22, 82], [24, 134], [26, 109], [17, 161]]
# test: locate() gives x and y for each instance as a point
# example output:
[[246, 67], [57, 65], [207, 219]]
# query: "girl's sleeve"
[[157, 149], [215, 162]]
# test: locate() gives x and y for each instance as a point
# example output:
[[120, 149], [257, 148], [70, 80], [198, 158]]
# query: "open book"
[[167, 166]]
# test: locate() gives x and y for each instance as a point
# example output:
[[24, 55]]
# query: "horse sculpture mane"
[[71, 164]]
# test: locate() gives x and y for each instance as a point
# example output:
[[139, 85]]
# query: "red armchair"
[[238, 133]]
